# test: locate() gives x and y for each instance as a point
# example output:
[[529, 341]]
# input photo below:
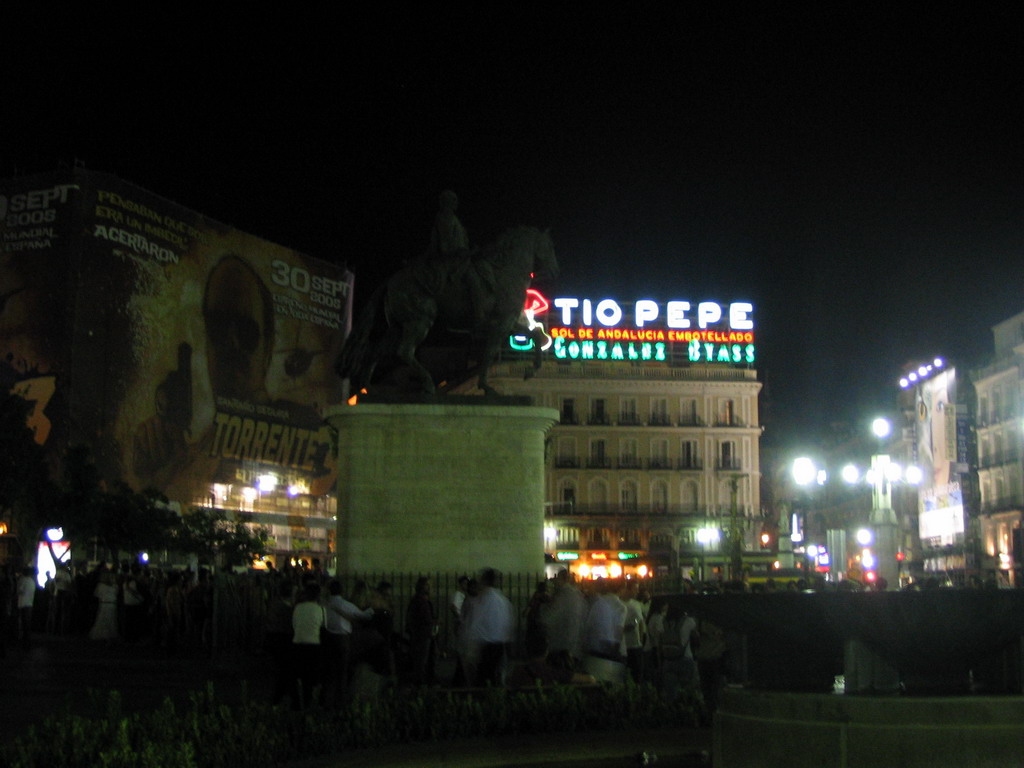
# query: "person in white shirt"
[[603, 631], [488, 628], [337, 641], [308, 618], [634, 629], [563, 620]]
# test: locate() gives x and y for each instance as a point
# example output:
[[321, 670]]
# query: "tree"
[[26, 491], [213, 538]]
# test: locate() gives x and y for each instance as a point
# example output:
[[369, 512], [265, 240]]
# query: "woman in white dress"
[[105, 626]]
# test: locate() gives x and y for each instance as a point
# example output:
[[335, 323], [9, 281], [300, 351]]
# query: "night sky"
[[857, 175]]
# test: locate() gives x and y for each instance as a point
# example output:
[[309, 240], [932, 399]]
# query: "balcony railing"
[[599, 462], [659, 420], [567, 462], [570, 419], [690, 421], [660, 462], [629, 462], [689, 464], [629, 420], [728, 465], [995, 458], [697, 515], [599, 419]]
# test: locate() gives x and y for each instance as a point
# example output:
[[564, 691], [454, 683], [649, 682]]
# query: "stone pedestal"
[[424, 488]]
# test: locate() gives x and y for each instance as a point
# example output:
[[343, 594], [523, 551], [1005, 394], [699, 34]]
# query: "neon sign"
[[646, 330]]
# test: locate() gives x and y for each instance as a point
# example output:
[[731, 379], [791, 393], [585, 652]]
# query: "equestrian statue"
[[475, 295]]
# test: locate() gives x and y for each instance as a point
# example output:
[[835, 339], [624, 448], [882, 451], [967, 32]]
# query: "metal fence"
[[241, 602]]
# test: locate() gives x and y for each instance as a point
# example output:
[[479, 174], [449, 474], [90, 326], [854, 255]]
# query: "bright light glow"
[[912, 376], [599, 572], [143, 557], [550, 534], [865, 537], [585, 571], [868, 560], [615, 570], [871, 476], [642, 571], [267, 482], [294, 490], [893, 472], [812, 550], [708, 535], [804, 471], [776, 565], [851, 474], [913, 475], [939, 362], [250, 494], [904, 382], [881, 427], [55, 534], [821, 477]]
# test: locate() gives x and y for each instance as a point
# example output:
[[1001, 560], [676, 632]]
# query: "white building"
[[999, 392], [645, 455]]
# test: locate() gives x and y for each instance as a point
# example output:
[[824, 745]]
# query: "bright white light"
[[267, 482], [294, 490], [865, 537], [868, 560], [550, 534], [939, 362], [913, 475], [904, 382], [881, 427], [143, 557], [250, 494], [912, 376], [55, 534], [851, 474], [708, 535], [615, 570], [812, 551], [893, 472], [922, 371], [822, 477], [804, 471]]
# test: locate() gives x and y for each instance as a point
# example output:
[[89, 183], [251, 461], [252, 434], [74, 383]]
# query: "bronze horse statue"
[[424, 294]]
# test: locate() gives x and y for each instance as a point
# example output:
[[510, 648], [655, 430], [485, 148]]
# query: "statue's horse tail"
[[359, 354]]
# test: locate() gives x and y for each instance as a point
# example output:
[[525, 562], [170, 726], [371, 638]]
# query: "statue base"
[[428, 487]]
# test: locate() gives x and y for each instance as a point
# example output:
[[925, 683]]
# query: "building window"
[[659, 454], [568, 411], [598, 413], [727, 455], [727, 415], [659, 412], [567, 457], [598, 455], [688, 414], [627, 412], [688, 455], [569, 497], [628, 496], [659, 497], [628, 456]]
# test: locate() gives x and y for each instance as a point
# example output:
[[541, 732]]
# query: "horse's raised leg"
[[414, 331]]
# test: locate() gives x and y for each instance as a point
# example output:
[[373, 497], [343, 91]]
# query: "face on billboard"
[[239, 316]]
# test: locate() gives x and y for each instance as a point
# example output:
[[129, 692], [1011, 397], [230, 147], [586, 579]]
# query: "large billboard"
[[184, 351], [940, 452]]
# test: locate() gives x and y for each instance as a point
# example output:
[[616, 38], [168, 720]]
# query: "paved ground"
[[58, 673]]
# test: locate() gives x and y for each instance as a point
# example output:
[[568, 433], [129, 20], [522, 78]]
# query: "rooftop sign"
[[679, 331]]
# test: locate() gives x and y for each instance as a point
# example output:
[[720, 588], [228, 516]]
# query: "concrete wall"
[[428, 487], [820, 730]]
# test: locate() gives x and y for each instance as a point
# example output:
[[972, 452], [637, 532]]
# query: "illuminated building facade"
[[998, 389], [190, 357], [654, 443]]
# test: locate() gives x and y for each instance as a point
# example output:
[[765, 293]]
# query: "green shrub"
[[210, 734]]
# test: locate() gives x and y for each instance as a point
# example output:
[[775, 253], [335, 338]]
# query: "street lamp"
[[705, 537]]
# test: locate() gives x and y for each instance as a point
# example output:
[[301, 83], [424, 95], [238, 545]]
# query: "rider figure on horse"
[[449, 256]]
